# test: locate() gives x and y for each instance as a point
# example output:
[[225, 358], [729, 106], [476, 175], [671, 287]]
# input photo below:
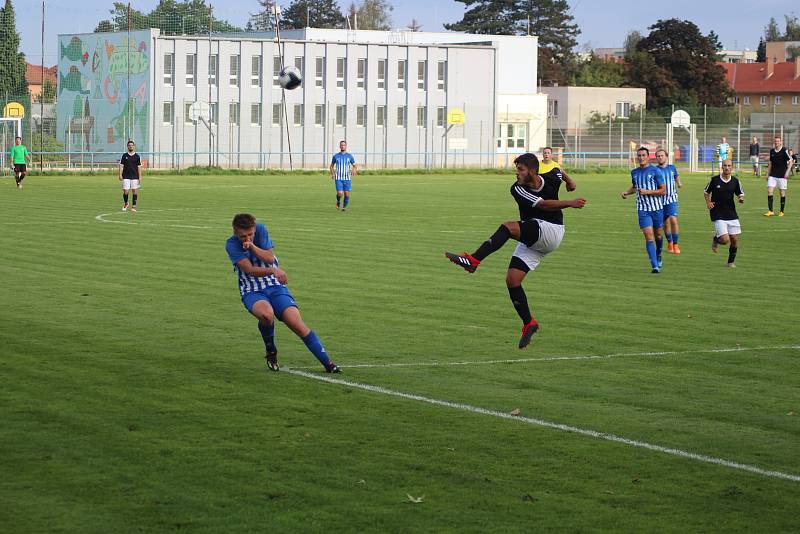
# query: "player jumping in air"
[[263, 289], [673, 182], [719, 195], [343, 168], [19, 157], [538, 232], [647, 181]]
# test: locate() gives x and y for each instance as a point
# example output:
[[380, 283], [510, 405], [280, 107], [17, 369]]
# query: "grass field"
[[135, 396]]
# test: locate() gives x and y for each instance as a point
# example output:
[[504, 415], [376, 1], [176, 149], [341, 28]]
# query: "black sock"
[[22, 177], [783, 203], [135, 196], [493, 244], [125, 197], [520, 302], [769, 202], [732, 254], [16, 177]]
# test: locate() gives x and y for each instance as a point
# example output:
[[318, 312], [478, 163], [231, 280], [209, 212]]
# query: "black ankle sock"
[[493, 244], [769, 202], [520, 302], [783, 203], [125, 197], [732, 254], [135, 196]]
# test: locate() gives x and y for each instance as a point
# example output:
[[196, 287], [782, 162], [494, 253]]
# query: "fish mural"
[[73, 81], [74, 51], [119, 59], [96, 58], [139, 120]]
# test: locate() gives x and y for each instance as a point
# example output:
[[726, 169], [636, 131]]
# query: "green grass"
[[135, 399]]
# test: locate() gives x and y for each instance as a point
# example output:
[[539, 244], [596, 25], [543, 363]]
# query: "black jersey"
[[723, 195], [527, 198], [130, 164], [779, 159]]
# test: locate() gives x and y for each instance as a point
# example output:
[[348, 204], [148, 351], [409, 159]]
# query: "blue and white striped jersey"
[[237, 253], [343, 165], [649, 177], [671, 178]]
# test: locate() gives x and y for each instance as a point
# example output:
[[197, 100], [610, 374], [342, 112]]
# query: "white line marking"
[[549, 424], [562, 358]]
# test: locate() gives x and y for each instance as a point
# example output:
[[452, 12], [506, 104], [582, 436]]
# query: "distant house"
[[569, 108], [33, 75], [769, 86]]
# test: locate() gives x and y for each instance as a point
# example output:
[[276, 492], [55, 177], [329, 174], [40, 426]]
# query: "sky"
[[603, 23]]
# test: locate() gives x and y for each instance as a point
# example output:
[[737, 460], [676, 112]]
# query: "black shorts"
[[20, 167], [528, 232]]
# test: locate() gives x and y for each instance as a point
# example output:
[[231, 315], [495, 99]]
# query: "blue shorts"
[[343, 185], [651, 218], [670, 210], [277, 296]]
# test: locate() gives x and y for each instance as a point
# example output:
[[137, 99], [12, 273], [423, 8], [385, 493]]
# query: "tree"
[[172, 17], [792, 52], [771, 31], [414, 25], [597, 72], [264, 20], [761, 51], [792, 28], [12, 61], [631, 42], [48, 95], [490, 17], [312, 14], [714, 39], [375, 15], [683, 59]]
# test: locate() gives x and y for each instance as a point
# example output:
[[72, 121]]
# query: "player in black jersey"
[[777, 175], [539, 232], [130, 175], [719, 195]]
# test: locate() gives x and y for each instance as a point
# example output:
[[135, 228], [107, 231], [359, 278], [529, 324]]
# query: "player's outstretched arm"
[[554, 205]]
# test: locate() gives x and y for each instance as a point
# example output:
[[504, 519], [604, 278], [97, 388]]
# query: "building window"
[[298, 114], [213, 68], [512, 135], [277, 114], [341, 115], [422, 67], [747, 101], [401, 74], [777, 100], [795, 100], [319, 115], [169, 69], [319, 72], [234, 72], [341, 71], [276, 70], [552, 108], [233, 113], [168, 106], [421, 116], [623, 110], [255, 71], [361, 115], [441, 117], [187, 113], [380, 116], [191, 68], [762, 100], [441, 70], [736, 100], [255, 114], [361, 73], [381, 74], [213, 109], [401, 116], [299, 63]]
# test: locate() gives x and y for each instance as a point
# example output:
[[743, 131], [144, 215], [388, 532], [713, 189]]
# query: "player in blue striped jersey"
[[262, 285], [648, 183], [673, 182], [343, 168]]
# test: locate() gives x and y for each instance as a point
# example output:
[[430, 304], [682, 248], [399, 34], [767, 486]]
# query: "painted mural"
[[98, 108]]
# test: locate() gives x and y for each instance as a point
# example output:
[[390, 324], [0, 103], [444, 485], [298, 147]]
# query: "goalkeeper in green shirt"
[[19, 155]]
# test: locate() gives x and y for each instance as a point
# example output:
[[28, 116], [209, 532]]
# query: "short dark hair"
[[547, 148], [528, 160], [243, 221], [661, 150], [18, 137], [647, 150], [130, 141]]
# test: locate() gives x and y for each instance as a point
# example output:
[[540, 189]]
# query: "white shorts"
[[754, 160], [780, 183], [727, 227], [550, 236], [130, 184]]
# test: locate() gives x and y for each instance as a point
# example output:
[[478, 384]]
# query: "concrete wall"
[[576, 104]]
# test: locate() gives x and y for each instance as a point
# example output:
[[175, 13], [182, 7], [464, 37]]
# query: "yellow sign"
[[456, 116], [14, 110]]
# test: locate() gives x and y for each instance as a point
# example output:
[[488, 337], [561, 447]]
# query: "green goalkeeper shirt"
[[18, 154]]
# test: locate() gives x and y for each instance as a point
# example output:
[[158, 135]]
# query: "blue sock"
[[267, 334], [346, 201], [669, 237], [675, 238], [659, 246], [651, 253], [315, 346], [338, 200]]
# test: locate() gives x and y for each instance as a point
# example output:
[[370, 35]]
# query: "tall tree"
[[313, 14], [414, 25], [792, 32], [761, 51], [375, 15], [631, 42], [490, 17], [172, 17], [263, 20], [677, 51], [12, 62], [771, 31], [598, 72], [715, 42]]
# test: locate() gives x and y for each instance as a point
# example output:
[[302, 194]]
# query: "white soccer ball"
[[290, 78]]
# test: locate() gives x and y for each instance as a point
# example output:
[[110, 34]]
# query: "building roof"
[[752, 77], [33, 74]]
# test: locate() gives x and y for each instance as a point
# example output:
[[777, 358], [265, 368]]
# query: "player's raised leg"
[[470, 262]]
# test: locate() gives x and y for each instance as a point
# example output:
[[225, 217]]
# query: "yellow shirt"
[[547, 167]]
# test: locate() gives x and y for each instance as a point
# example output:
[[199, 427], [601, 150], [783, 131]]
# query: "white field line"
[[549, 424], [560, 358]]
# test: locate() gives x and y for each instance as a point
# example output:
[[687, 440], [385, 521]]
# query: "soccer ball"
[[290, 78]]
